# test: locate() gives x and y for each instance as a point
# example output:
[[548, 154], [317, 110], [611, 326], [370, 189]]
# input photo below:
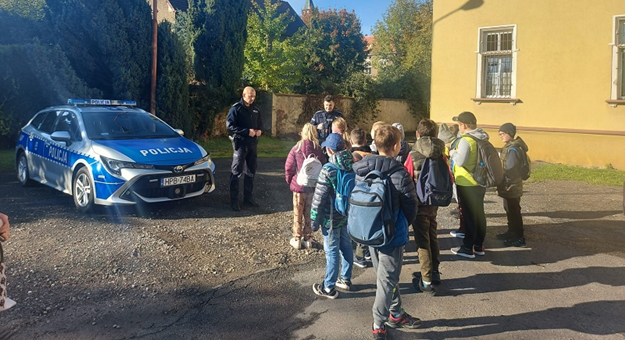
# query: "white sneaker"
[[457, 233], [296, 243], [309, 244], [343, 284], [8, 303]]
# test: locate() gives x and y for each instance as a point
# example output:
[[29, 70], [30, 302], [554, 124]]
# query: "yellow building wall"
[[564, 70]]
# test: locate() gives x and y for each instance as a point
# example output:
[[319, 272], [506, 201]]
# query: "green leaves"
[[273, 59], [402, 49]]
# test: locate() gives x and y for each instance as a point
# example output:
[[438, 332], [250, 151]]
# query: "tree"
[[172, 91], [335, 50], [402, 48], [108, 43], [32, 9], [272, 59], [219, 35]]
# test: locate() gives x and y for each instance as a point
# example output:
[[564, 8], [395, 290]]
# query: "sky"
[[368, 11]]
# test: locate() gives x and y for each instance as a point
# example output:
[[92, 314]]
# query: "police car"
[[108, 152]]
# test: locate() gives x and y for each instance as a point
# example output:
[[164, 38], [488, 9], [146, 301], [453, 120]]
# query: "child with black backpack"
[[424, 226], [387, 259], [516, 169], [329, 210]]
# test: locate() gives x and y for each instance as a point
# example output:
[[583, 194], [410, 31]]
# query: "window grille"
[[497, 50]]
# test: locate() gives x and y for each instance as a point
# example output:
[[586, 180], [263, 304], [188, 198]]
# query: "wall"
[[564, 65], [288, 116]]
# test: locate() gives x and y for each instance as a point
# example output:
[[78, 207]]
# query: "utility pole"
[[154, 50]]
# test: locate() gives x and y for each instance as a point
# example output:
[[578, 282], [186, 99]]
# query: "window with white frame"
[[497, 62], [618, 60]]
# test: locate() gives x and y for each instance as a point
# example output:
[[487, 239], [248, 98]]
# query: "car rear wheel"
[[82, 191], [23, 175]]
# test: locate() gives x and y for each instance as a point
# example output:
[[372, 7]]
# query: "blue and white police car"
[[109, 152]]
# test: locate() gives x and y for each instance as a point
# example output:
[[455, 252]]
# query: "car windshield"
[[125, 125]]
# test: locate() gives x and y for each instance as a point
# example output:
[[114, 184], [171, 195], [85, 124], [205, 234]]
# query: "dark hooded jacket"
[[425, 147], [402, 190], [511, 158], [294, 162], [325, 192], [360, 152], [403, 152]]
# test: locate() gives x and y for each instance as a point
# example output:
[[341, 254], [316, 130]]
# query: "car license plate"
[[169, 181]]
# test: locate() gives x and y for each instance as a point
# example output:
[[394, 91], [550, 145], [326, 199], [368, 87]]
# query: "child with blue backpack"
[[424, 226], [387, 259], [329, 211]]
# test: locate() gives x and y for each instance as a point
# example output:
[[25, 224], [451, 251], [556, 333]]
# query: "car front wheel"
[[83, 191], [23, 176]]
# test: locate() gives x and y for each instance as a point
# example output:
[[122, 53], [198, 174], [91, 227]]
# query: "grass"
[[271, 147], [267, 147], [7, 160], [560, 172]]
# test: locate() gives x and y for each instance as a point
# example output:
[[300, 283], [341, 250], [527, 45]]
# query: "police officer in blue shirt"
[[323, 119], [244, 126]]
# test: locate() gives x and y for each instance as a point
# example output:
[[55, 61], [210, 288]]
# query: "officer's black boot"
[[248, 187], [234, 193]]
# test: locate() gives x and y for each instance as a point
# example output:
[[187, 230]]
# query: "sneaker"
[[464, 252], [367, 254], [479, 250], [310, 244], [404, 321], [344, 284], [379, 333], [457, 233], [360, 262], [515, 242], [419, 285], [319, 290], [296, 243], [251, 201], [436, 277], [506, 236]]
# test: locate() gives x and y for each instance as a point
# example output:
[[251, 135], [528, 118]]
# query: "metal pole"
[[154, 50]]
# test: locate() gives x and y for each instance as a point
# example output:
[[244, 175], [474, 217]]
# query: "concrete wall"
[[564, 69], [288, 116]]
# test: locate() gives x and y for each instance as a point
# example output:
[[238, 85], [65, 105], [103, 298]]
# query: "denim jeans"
[[336, 242]]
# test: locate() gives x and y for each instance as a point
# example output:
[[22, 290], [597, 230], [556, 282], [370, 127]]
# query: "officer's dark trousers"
[[243, 161]]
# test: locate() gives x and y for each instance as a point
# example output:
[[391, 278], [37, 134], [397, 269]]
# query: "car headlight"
[[115, 167], [202, 160]]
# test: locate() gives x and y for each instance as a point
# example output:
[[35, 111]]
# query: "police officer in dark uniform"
[[323, 119], [244, 126]]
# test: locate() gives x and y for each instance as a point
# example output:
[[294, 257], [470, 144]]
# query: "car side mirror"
[[180, 132], [61, 136]]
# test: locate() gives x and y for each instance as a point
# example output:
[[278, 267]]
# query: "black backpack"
[[488, 171], [525, 168], [435, 184]]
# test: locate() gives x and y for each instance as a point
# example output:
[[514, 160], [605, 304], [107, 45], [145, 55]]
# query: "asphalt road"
[[569, 283]]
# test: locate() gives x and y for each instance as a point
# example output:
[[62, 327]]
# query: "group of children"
[[314, 206]]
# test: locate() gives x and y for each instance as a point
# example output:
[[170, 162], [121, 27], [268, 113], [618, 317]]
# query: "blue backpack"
[[435, 184], [345, 181], [371, 220]]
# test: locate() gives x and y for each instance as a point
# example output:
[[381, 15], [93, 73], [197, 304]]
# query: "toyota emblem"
[[178, 169]]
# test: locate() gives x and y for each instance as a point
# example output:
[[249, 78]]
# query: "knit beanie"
[[508, 128], [401, 129]]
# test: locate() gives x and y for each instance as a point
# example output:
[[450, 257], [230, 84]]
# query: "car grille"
[[149, 186]]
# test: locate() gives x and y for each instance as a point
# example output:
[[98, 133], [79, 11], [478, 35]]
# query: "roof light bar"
[[101, 102]]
